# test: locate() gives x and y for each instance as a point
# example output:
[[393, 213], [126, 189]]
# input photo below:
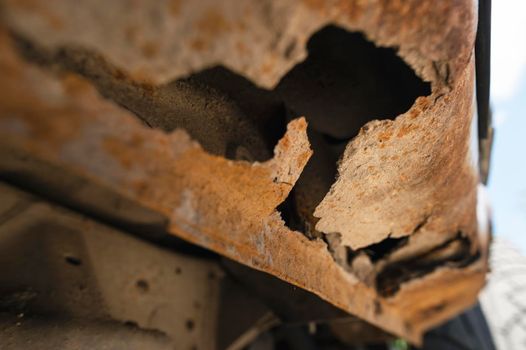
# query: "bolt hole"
[[72, 260], [190, 325], [142, 286]]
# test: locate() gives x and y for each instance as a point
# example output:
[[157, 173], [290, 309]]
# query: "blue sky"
[[507, 182]]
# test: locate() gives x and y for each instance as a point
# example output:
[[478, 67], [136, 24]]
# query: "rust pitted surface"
[[219, 204], [409, 176], [164, 40], [397, 177], [444, 293]]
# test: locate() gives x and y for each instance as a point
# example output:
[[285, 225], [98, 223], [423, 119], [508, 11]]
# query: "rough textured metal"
[[410, 176], [262, 40], [413, 173], [46, 333], [64, 270]]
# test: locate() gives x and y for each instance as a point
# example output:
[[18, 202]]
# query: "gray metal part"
[[45, 333], [75, 279]]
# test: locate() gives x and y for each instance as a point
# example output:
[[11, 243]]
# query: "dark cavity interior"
[[345, 82]]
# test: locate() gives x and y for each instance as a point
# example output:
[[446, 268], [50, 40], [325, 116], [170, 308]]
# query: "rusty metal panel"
[[409, 179]]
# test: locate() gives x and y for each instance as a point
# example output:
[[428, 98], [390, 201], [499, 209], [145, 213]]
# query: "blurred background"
[[504, 298], [507, 182]]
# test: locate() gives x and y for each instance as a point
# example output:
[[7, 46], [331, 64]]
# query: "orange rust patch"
[[198, 44], [351, 9], [122, 150], [141, 76], [315, 4], [74, 85], [385, 136], [137, 140], [303, 158], [241, 48], [150, 49], [14, 97], [119, 151], [174, 7], [242, 26], [55, 22], [405, 129], [284, 143], [130, 33], [413, 113], [266, 68], [213, 23], [319, 6], [41, 8]]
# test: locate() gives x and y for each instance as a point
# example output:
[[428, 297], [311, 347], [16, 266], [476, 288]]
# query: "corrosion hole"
[[142, 285], [190, 324], [72, 260], [228, 114], [178, 271], [383, 248], [345, 82], [454, 253]]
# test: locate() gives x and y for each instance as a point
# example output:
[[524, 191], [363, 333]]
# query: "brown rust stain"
[[119, 152], [406, 129], [74, 85], [174, 7], [241, 25], [213, 23], [14, 97], [266, 68], [198, 44], [131, 33], [38, 7], [316, 5], [432, 170], [211, 177], [353, 9], [302, 159], [242, 48], [150, 49], [385, 136]]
